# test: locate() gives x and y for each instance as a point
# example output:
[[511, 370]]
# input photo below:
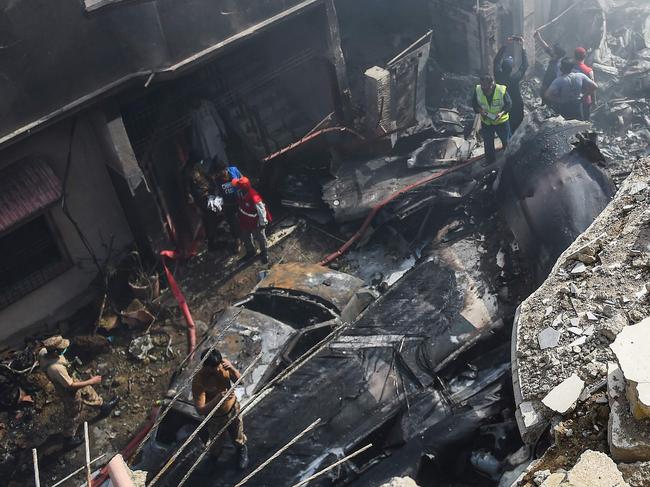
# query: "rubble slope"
[[565, 328]]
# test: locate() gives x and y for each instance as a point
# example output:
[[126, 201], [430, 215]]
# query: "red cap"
[[242, 183], [581, 52]]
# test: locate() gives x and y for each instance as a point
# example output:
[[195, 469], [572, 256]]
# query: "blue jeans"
[[488, 132]]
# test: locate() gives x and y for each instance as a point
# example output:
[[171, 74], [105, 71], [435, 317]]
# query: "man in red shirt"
[[581, 67], [253, 218]]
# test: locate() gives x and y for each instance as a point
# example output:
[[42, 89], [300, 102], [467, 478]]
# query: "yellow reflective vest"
[[498, 100]]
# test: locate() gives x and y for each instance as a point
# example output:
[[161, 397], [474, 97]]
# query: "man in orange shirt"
[[209, 387]]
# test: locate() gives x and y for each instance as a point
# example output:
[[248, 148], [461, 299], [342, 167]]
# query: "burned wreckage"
[[391, 378], [422, 372]]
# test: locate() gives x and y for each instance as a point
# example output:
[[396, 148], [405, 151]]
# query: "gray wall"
[[93, 204]]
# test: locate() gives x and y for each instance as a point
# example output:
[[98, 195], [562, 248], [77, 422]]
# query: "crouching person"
[[209, 387], [253, 218], [74, 394]]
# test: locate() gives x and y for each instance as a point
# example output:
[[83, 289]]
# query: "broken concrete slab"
[[631, 350], [529, 413], [587, 253], [554, 480], [629, 439], [565, 395], [595, 469], [549, 338]]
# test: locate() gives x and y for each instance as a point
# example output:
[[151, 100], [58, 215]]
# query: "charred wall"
[[55, 53]]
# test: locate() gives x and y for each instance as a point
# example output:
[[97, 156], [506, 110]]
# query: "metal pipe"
[[119, 472]]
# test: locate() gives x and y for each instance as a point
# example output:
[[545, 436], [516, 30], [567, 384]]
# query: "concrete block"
[[595, 469], [629, 439], [564, 396], [554, 480]]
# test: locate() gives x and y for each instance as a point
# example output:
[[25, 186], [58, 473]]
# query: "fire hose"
[[376, 209]]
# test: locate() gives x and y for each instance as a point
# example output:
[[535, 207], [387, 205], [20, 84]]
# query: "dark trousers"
[[231, 214], [586, 111], [488, 132], [571, 110]]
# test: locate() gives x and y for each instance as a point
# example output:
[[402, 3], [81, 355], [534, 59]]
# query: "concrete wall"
[[92, 203]]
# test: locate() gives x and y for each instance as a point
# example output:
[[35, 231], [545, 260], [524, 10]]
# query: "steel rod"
[[334, 465], [279, 452]]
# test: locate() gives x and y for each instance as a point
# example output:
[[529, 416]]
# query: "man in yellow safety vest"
[[493, 103]]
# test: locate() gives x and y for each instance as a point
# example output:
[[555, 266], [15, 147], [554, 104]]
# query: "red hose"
[[180, 298], [366, 223]]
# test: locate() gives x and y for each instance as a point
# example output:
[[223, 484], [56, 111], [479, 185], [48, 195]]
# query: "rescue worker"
[[253, 218], [223, 188], [72, 393], [581, 67], [556, 54], [199, 178], [493, 103], [566, 92], [209, 387], [504, 75]]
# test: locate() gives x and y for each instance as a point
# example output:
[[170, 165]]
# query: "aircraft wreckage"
[[422, 374]]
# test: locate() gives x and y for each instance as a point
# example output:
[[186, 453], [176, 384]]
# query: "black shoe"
[[242, 457], [265, 259], [108, 407], [74, 441]]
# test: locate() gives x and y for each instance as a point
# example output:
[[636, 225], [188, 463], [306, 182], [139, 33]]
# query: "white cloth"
[[215, 203], [261, 213]]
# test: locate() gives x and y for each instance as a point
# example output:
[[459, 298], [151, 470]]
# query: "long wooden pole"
[[278, 453], [89, 478], [334, 465], [37, 476], [80, 469]]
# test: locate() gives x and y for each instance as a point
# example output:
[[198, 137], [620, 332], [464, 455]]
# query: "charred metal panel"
[[55, 55], [359, 385], [551, 188], [335, 288]]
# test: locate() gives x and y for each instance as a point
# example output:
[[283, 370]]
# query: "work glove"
[[215, 203]]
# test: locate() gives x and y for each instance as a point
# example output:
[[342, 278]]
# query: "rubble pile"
[[580, 341]]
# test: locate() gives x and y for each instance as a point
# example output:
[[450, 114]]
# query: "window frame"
[[58, 269]]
